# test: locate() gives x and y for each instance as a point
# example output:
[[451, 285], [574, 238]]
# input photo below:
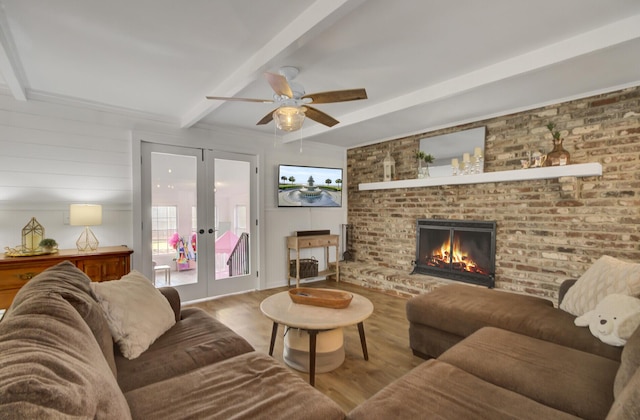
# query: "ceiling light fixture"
[[289, 118]]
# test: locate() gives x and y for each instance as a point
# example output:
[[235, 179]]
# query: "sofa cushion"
[[173, 297], [73, 285], [627, 403], [93, 316], [460, 309], [195, 341], [463, 309], [606, 276], [629, 364], [51, 365], [437, 390], [249, 386], [569, 380], [136, 312], [428, 342]]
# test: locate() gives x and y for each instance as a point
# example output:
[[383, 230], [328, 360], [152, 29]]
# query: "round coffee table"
[[314, 319]]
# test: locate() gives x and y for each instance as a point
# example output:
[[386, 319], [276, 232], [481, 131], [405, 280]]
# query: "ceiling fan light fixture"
[[289, 118]]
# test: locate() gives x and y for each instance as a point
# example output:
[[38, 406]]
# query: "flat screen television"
[[309, 186]]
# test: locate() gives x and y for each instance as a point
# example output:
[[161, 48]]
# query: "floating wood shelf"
[[581, 169]]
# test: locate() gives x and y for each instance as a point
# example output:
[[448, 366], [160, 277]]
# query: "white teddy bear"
[[613, 320]]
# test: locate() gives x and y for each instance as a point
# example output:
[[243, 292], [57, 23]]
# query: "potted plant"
[[427, 159], [48, 245]]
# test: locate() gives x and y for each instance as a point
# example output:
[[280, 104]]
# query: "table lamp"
[[86, 215]]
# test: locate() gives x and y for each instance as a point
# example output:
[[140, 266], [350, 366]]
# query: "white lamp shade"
[[289, 118], [85, 214]]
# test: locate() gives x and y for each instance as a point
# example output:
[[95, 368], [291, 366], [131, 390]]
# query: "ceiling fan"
[[293, 103]]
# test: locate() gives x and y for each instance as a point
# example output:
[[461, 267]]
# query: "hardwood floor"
[[356, 379]]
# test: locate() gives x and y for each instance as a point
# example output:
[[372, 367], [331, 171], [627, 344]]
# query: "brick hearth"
[[388, 280], [547, 230]]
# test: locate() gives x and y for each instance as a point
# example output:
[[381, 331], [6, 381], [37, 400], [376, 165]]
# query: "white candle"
[[465, 158], [477, 152], [454, 163]]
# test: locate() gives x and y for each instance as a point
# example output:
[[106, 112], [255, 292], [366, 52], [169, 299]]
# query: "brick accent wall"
[[547, 230]]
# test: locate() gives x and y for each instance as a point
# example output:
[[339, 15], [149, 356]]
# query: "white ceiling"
[[426, 64]]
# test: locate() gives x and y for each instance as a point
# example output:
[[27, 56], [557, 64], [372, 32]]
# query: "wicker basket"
[[308, 268]]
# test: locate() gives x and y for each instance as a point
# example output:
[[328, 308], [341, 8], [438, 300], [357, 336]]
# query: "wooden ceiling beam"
[[319, 16]]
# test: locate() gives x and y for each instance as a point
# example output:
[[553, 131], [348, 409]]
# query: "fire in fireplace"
[[456, 249]]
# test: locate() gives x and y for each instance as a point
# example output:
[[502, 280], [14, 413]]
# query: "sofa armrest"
[[174, 299], [564, 287]]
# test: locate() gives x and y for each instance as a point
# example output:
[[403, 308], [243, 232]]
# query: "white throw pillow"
[[606, 276], [137, 313]]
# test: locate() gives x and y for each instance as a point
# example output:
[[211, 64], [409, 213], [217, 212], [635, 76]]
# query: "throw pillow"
[[606, 276], [136, 311]]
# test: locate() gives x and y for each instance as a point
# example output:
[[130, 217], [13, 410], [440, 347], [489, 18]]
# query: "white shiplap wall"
[[52, 155]]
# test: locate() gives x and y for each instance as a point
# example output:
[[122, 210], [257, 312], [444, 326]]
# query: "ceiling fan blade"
[[279, 84], [267, 118], [320, 116], [337, 96], [223, 98]]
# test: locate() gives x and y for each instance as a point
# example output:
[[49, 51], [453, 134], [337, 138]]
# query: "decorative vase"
[[558, 156], [423, 172]]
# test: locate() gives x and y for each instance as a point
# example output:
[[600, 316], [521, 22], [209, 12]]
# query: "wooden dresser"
[[107, 263]]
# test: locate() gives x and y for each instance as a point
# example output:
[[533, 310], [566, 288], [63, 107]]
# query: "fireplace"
[[462, 250]]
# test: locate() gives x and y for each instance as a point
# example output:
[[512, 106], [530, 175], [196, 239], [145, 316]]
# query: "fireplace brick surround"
[[547, 230]]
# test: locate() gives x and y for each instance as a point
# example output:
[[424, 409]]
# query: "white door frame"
[[204, 288]]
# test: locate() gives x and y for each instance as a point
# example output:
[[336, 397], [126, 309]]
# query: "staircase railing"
[[238, 261]]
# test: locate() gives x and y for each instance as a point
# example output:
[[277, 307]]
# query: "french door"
[[199, 219]]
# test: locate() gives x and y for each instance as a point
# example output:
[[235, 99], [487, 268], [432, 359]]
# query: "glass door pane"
[[234, 261], [171, 202]]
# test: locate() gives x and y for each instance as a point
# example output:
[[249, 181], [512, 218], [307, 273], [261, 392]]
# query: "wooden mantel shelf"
[[581, 169]]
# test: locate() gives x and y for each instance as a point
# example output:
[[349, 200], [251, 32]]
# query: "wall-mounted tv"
[[309, 186]]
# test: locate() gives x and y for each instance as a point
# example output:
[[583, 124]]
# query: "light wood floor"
[[356, 379]]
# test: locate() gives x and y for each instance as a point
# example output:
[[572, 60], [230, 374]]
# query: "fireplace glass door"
[[459, 250]]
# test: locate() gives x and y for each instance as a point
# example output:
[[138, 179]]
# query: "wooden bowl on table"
[[326, 298]]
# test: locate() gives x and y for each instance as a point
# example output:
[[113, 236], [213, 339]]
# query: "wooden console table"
[[297, 243], [107, 263]]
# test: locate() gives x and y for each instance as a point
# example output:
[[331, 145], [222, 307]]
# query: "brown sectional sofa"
[[501, 355], [58, 361]]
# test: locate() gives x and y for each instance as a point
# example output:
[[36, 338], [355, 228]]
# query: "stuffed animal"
[[613, 320]]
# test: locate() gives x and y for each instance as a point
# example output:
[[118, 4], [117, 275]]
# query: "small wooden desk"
[[297, 243]]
